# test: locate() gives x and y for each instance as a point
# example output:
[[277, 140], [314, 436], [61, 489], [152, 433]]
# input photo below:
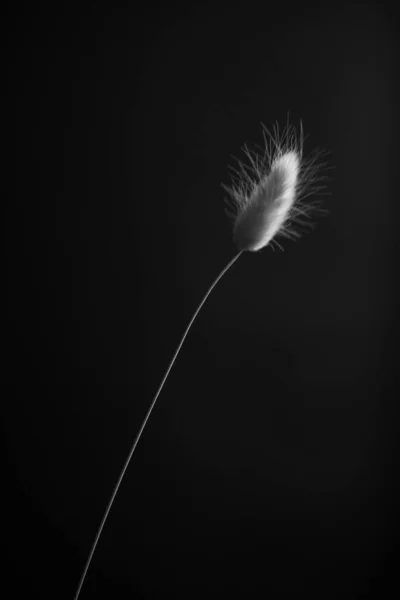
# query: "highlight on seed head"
[[267, 195]]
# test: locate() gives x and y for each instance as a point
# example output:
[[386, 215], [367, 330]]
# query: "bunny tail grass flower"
[[267, 195], [267, 200]]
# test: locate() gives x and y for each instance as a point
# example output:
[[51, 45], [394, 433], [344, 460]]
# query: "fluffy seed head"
[[267, 194]]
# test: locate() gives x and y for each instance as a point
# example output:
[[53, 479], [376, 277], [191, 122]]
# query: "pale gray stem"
[[135, 443]]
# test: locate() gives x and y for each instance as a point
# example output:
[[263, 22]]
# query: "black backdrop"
[[269, 467]]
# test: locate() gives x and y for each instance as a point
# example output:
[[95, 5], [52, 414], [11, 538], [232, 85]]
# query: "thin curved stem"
[[135, 443]]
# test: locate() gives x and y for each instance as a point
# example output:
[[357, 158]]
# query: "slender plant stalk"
[[135, 443]]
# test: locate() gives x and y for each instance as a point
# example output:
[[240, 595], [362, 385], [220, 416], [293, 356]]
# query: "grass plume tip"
[[267, 195]]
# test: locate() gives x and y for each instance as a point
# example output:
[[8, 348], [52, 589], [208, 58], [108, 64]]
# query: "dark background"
[[269, 467]]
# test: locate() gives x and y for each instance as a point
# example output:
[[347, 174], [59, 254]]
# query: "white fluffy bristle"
[[268, 206], [267, 200]]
